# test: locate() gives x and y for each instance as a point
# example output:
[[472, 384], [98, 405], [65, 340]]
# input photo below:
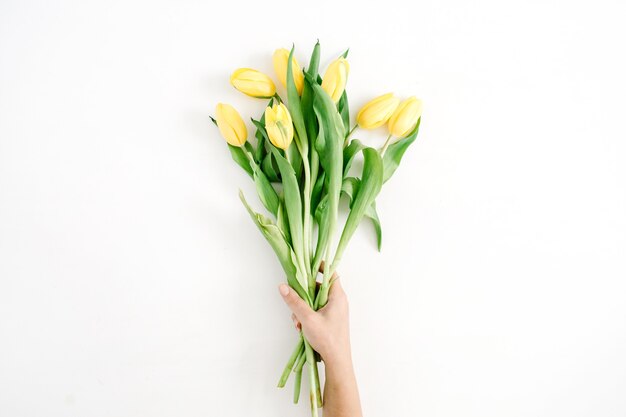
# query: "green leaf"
[[350, 188], [322, 217], [310, 119], [369, 187], [295, 109], [296, 159], [395, 151], [372, 214], [349, 153], [316, 194], [267, 163], [329, 145], [261, 136], [283, 222], [283, 251], [344, 110], [260, 127], [248, 147], [269, 168], [240, 157], [314, 62], [266, 191], [293, 204]]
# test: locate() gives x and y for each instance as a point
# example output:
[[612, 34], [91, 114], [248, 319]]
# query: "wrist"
[[340, 359]]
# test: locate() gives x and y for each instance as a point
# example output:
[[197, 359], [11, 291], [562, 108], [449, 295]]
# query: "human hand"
[[327, 330]]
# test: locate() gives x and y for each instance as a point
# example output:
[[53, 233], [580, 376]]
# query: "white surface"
[[133, 284]]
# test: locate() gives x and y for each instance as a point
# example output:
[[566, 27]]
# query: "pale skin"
[[328, 332]]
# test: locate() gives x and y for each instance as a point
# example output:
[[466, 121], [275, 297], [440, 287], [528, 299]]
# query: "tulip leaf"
[[316, 194], [369, 187], [329, 144], [266, 191], [282, 221], [269, 168], [296, 159], [239, 156], [344, 110], [322, 217], [350, 188], [295, 109], [267, 164], [310, 121], [314, 62], [283, 251], [372, 214], [249, 148], [260, 127], [345, 54], [395, 151], [293, 204], [261, 136], [349, 153]]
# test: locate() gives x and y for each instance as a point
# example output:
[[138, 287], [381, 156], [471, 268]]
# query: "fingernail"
[[284, 289]]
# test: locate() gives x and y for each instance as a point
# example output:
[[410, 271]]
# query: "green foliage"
[[396, 151]]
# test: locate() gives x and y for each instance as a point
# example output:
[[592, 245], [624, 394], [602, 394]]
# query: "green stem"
[[300, 362], [299, 350], [296, 386], [345, 142], [253, 163], [385, 146], [313, 382]]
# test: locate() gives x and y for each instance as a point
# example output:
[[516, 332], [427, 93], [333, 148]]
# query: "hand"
[[327, 330]]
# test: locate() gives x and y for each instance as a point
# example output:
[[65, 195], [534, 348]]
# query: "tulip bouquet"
[[301, 165]]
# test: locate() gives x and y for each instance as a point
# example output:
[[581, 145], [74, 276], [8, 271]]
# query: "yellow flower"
[[335, 78], [279, 125], [231, 124], [280, 58], [404, 119], [253, 83], [376, 112]]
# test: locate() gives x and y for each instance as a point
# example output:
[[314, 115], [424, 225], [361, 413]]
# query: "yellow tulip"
[[376, 112], [230, 124], [335, 78], [278, 125], [253, 83], [280, 58], [404, 119]]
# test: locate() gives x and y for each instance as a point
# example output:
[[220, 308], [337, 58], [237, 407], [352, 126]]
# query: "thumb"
[[296, 304]]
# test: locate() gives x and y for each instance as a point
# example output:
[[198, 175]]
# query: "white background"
[[133, 284]]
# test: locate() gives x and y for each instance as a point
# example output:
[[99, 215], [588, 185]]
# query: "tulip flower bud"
[[404, 119], [335, 78], [253, 83], [278, 125], [376, 112], [230, 124], [280, 59]]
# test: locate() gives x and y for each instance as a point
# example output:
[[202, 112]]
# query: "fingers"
[[296, 304], [296, 322]]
